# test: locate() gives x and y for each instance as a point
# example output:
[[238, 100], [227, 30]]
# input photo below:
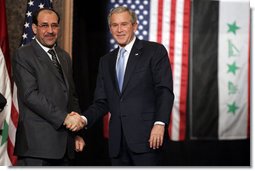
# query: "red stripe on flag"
[[14, 115], [171, 51], [172, 33], [4, 44], [185, 68], [160, 20], [10, 148]]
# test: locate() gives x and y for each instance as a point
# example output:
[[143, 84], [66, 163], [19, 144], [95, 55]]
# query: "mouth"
[[121, 35], [51, 37]]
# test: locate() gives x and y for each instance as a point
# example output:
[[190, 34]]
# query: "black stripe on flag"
[[203, 66]]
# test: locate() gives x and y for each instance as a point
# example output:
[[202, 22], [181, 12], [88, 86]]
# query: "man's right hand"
[[74, 121]]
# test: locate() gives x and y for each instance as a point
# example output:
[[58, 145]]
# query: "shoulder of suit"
[[151, 43], [110, 54], [24, 50], [25, 47]]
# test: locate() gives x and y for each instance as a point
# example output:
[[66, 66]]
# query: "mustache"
[[50, 34]]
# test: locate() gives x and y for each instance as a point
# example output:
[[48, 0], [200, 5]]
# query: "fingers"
[[156, 141], [75, 126], [74, 122], [79, 144], [78, 147], [157, 136]]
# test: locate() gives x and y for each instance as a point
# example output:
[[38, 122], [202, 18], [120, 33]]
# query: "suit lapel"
[[132, 61], [63, 64], [112, 64], [43, 56], [131, 64]]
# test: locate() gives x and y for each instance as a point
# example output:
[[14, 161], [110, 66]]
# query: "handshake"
[[74, 121]]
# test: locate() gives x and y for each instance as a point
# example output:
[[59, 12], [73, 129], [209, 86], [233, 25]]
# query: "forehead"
[[120, 17], [47, 15]]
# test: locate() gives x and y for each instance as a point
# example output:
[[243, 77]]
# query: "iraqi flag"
[[9, 116], [219, 90]]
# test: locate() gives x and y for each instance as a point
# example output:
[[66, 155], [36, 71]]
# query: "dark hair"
[[36, 13]]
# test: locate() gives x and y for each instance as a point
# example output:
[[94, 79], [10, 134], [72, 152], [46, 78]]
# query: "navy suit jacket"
[[44, 100], [147, 95]]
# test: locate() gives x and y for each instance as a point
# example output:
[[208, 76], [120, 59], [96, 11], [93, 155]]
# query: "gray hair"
[[121, 9]]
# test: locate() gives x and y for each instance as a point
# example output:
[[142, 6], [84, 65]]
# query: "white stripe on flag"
[[4, 159], [153, 20], [5, 89], [12, 132], [177, 68], [233, 83], [15, 98], [166, 24]]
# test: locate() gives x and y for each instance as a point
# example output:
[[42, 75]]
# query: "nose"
[[50, 29], [119, 28]]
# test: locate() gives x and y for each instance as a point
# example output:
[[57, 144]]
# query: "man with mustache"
[[48, 106]]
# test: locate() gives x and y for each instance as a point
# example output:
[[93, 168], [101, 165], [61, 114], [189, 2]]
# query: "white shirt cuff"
[[159, 123], [85, 119]]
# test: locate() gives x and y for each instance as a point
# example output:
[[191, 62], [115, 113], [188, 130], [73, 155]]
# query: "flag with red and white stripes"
[[166, 22], [169, 25], [9, 116]]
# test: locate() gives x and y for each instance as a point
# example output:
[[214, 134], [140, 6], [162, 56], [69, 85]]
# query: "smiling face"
[[122, 28], [47, 28]]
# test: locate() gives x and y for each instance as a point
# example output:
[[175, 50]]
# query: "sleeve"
[[100, 106], [162, 78], [74, 100]]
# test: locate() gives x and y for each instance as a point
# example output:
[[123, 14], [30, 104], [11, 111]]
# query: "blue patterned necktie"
[[120, 67]]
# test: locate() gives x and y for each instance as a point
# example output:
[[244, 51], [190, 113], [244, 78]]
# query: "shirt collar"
[[46, 49]]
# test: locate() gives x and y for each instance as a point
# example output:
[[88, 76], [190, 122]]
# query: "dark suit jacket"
[[147, 95], [44, 100]]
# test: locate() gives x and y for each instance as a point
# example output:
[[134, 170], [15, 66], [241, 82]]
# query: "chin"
[[51, 44], [122, 44]]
